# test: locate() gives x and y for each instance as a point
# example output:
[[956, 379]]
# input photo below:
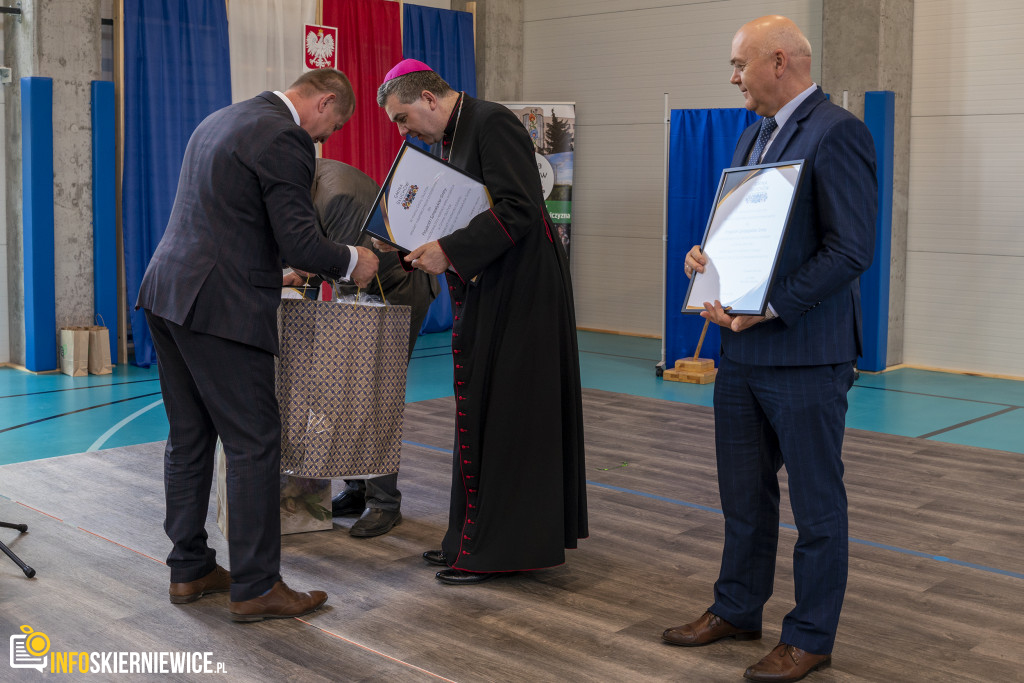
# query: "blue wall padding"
[[104, 206], [880, 117], [37, 215]]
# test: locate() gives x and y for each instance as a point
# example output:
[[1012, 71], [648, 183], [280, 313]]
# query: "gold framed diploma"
[[423, 199], [744, 237]]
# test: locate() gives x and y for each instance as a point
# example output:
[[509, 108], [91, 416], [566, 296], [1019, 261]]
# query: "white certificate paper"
[[423, 199], [744, 237]]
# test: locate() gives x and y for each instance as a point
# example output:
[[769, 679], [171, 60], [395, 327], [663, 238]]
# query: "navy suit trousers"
[[767, 417], [214, 386]]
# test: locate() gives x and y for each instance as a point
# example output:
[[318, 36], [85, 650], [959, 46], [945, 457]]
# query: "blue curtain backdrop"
[[701, 144], [176, 72], [443, 39]]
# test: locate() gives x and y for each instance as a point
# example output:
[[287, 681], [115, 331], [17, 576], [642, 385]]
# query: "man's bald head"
[[771, 61]]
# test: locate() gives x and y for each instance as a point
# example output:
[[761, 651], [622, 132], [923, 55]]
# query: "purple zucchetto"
[[406, 66]]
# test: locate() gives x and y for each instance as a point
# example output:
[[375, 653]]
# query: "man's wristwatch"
[[769, 314]]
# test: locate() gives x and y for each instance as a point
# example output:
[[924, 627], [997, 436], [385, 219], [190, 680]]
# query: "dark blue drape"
[[176, 72], [701, 144], [442, 39]]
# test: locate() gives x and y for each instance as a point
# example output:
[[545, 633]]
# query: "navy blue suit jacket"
[[243, 204], [830, 242]]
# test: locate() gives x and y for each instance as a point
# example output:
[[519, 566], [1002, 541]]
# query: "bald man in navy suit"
[[781, 391], [211, 293]]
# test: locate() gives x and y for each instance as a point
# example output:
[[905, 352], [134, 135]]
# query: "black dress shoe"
[[347, 503], [375, 522], [457, 577], [436, 557]]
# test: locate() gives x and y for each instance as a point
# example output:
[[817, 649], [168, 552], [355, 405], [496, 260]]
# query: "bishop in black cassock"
[[518, 495]]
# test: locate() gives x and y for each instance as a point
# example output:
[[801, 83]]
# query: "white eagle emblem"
[[320, 48]]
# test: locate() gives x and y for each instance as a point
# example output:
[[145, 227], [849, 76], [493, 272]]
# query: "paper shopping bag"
[[99, 351], [341, 387], [74, 351], [305, 503]]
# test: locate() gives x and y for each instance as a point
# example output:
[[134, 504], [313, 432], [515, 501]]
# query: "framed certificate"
[[744, 237], [423, 199]]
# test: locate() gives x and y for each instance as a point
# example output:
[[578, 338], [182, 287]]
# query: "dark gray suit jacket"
[[829, 243], [342, 197], [243, 205]]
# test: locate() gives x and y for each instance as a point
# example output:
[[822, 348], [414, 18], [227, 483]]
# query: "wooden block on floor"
[[692, 364], [698, 377]]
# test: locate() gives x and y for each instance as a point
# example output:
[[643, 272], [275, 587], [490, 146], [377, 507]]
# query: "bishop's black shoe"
[[436, 557], [457, 577]]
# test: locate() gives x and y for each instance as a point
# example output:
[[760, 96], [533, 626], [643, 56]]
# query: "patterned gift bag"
[[341, 387]]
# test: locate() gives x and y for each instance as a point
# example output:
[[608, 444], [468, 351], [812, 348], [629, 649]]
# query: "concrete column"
[[868, 45], [58, 39], [499, 48]]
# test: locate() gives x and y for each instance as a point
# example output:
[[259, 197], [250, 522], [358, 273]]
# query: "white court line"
[[98, 443]]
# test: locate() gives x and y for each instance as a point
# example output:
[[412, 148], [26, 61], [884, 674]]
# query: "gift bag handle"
[[379, 286]]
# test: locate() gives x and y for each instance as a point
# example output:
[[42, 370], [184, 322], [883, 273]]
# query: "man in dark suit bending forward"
[[211, 293], [780, 396]]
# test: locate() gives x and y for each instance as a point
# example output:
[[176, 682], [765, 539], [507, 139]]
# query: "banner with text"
[[552, 127]]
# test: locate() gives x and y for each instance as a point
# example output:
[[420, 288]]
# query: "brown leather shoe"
[[786, 663], [217, 581], [709, 628], [280, 603]]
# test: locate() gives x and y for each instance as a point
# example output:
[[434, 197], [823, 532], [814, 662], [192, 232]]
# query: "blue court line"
[[882, 546], [705, 508], [432, 448]]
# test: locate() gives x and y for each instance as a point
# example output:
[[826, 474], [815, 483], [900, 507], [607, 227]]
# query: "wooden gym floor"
[[937, 567]]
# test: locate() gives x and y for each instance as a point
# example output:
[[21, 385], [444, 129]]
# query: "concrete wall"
[[5, 328], [58, 39], [868, 45], [499, 48]]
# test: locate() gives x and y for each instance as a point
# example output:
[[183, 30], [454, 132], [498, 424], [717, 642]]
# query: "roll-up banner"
[[552, 127]]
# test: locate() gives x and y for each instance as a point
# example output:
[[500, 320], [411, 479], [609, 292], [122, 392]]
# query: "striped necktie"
[[767, 126]]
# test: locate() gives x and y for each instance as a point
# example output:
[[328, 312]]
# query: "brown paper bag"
[[74, 351], [99, 351]]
